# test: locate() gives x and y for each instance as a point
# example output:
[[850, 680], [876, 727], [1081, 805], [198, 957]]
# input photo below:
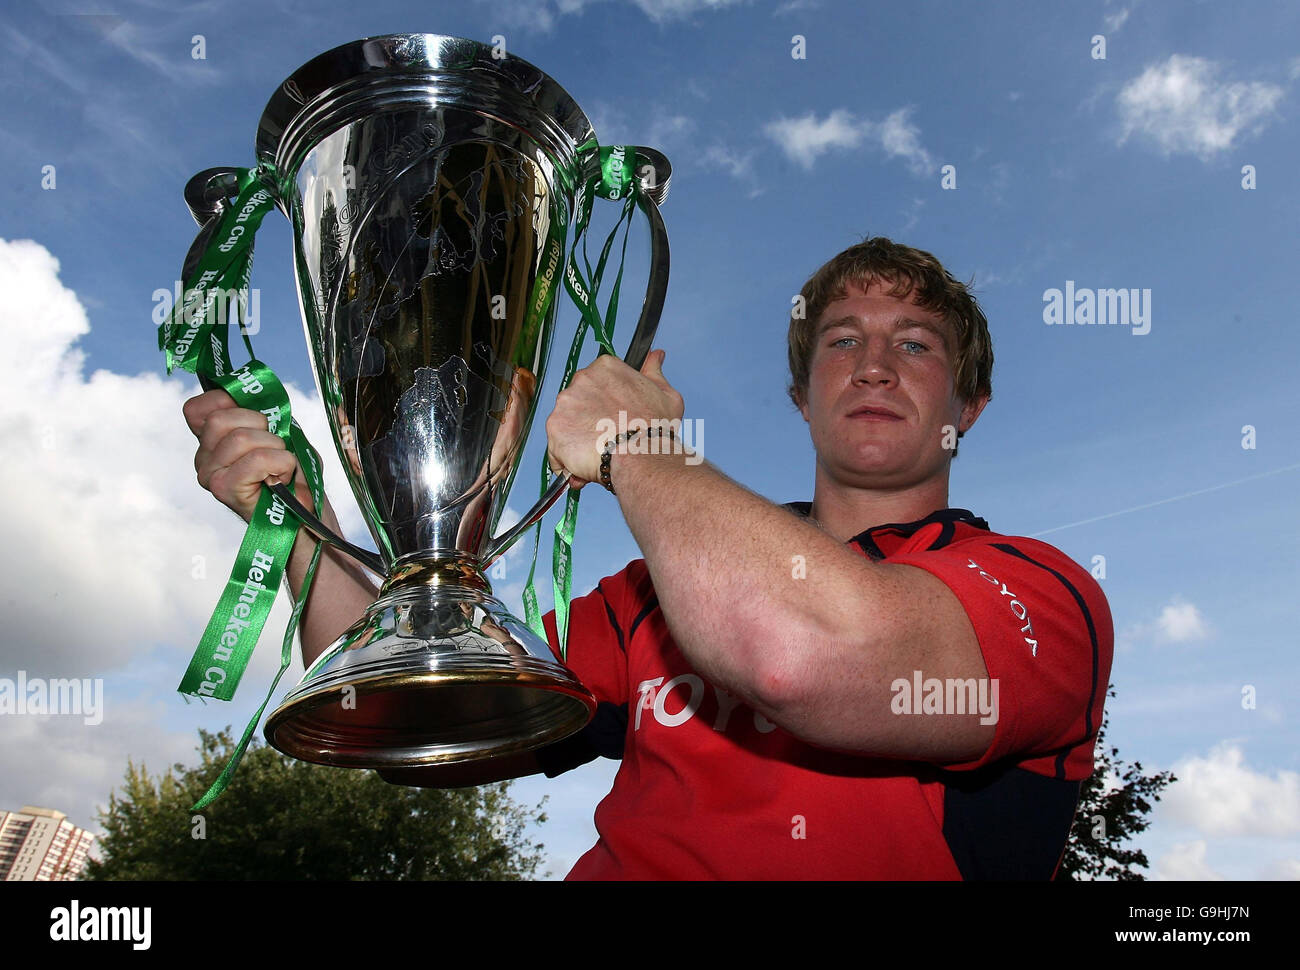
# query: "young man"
[[876, 686], [871, 685]]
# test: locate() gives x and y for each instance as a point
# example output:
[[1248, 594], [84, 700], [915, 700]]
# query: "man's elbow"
[[804, 666], [757, 659], [831, 686]]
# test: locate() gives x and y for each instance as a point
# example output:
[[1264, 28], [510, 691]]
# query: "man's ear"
[[970, 411], [802, 400]]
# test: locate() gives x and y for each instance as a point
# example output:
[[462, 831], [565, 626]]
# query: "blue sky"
[[1122, 171]]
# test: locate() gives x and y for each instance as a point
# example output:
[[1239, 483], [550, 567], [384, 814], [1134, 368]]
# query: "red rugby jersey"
[[710, 789]]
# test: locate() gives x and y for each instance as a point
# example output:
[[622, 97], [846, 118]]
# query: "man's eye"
[[915, 343], [836, 343]]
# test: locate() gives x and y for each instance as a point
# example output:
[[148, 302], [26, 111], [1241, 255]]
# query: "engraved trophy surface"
[[424, 180]]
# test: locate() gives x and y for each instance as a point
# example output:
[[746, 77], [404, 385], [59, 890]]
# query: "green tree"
[[286, 819], [1107, 818]]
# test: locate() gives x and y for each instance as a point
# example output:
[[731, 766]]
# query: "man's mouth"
[[873, 413]]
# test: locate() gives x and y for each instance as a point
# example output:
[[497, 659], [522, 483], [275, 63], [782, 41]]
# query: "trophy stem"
[[450, 569]]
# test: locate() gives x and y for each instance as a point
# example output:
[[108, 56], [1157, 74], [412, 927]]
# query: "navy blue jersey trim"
[[645, 611], [868, 545], [613, 619], [945, 535], [1003, 822], [1092, 635], [948, 517]]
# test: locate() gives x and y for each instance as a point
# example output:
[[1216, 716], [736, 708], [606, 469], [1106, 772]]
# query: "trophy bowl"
[[429, 184]]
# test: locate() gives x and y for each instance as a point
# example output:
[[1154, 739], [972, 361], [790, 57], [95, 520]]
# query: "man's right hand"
[[237, 454]]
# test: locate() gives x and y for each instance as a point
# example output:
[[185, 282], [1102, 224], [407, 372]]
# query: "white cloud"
[[806, 138], [542, 15], [534, 15], [36, 57], [999, 180], [1220, 795], [1181, 622], [1177, 622], [796, 6], [103, 515], [59, 762], [119, 125], [1116, 19], [729, 161], [902, 139], [1288, 869], [912, 214], [1184, 106], [697, 89], [672, 134], [739, 166], [661, 11], [614, 125], [667, 129], [1185, 862], [157, 50]]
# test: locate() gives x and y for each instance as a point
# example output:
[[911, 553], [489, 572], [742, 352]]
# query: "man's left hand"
[[586, 414]]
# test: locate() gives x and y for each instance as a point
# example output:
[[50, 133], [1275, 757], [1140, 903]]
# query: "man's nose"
[[874, 364]]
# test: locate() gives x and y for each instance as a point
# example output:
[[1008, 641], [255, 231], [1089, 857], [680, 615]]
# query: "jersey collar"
[[884, 540]]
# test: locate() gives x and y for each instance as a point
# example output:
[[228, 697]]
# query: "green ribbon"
[[195, 338], [615, 180]]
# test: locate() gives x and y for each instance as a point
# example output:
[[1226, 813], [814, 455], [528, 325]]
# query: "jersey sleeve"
[[1044, 629], [597, 653]]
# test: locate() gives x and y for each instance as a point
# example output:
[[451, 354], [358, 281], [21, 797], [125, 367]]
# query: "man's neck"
[[847, 512]]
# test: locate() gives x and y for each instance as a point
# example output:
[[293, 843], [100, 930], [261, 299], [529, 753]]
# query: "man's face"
[[874, 350]]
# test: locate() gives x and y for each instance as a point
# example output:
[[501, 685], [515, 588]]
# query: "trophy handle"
[[208, 194], [320, 531], [655, 187]]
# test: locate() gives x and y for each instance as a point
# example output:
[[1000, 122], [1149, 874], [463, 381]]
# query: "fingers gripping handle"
[[654, 171], [314, 525]]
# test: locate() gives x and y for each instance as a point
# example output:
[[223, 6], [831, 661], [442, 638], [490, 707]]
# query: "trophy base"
[[439, 678], [468, 774]]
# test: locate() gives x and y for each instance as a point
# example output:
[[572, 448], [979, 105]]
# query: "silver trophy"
[[423, 177]]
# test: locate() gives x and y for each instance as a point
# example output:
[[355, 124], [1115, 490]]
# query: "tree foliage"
[[1108, 816], [286, 819]]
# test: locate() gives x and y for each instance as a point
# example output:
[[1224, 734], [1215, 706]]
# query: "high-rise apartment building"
[[40, 844]]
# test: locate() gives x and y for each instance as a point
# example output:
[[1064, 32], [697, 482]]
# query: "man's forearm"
[[738, 602], [339, 594]]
